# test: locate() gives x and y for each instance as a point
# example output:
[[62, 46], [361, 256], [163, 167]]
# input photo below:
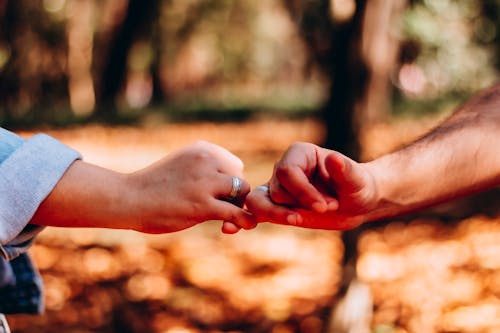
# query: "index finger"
[[297, 184]]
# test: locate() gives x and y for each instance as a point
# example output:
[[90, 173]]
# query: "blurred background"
[[127, 81]]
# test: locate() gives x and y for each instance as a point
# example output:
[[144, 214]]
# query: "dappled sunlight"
[[198, 278], [126, 83], [424, 275], [267, 270], [435, 277]]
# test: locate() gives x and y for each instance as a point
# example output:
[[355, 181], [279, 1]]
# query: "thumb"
[[344, 173]]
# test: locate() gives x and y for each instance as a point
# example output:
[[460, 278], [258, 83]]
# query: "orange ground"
[[425, 276]]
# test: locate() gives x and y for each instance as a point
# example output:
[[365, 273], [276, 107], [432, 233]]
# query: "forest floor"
[[435, 272]]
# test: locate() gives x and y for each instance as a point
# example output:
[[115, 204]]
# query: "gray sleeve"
[[27, 176]]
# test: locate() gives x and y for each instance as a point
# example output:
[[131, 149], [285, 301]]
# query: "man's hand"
[[315, 187], [319, 188]]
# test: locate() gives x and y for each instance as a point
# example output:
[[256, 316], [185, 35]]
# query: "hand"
[[315, 187], [188, 187]]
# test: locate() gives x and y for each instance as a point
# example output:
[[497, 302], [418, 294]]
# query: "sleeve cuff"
[[27, 176]]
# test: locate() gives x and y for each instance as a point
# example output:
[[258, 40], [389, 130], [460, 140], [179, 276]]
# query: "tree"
[[33, 74], [333, 48], [356, 50], [139, 21]]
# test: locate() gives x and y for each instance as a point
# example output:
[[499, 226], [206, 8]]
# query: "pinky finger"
[[267, 211]]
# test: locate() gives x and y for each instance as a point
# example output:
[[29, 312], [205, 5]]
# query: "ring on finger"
[[235, 188], [264, 188]]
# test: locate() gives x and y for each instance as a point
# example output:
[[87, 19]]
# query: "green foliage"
[[230, 54], [454, 44]]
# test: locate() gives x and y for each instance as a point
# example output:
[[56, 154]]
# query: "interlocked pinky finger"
[[259, 203]]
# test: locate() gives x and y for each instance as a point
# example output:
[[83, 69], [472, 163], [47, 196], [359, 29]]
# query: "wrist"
[[382, 204], [87, 196], [105, 198], [133, 201]]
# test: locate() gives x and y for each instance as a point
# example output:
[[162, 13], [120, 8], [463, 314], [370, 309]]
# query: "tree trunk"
[[9, 76], [380, 50], [363, 77], [138, 20], [334, 48], [349, 76]]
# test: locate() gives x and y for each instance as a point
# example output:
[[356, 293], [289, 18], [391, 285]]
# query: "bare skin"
[[182, 190], [315, 187]]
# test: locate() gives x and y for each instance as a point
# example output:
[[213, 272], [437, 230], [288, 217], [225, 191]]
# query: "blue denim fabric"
[[24, 292], [29, 170], [9, 142]]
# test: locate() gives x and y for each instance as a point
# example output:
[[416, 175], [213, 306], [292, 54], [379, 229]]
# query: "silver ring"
[[235, 189], [264, 188]]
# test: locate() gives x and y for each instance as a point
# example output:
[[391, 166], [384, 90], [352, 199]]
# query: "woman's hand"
[[190, 186], [185, 188]]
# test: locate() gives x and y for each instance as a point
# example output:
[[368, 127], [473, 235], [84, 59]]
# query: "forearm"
[[177, 192], [460, 157], [87, 196]]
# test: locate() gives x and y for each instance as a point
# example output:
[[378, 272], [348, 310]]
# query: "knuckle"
[[282, 171], [300, 145], [297, 144], [203, 156], [201, 143], [197, 209]]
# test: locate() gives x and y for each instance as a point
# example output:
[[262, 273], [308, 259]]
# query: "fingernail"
[[333, 205], [319, 207], [293, 219]]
